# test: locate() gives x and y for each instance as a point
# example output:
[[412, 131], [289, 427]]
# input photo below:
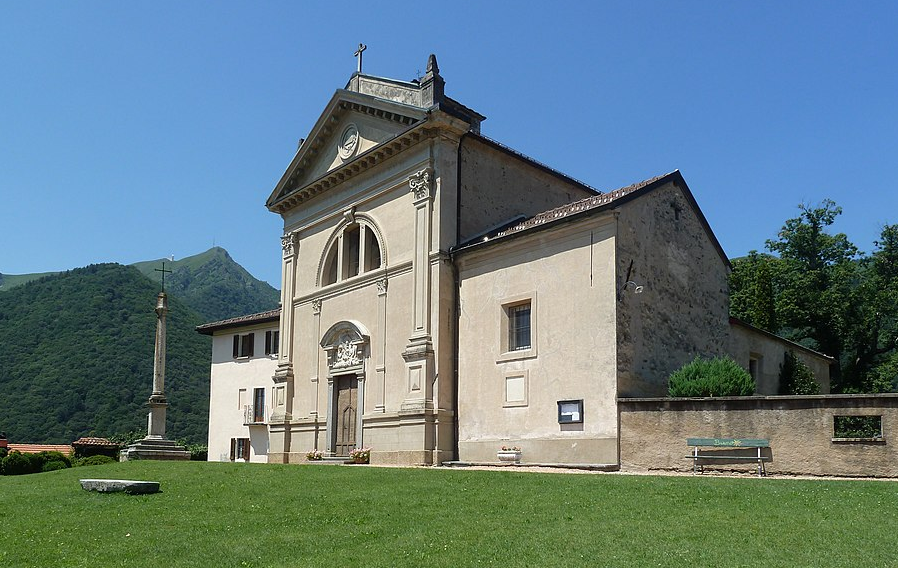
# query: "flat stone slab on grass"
[[115, 485]]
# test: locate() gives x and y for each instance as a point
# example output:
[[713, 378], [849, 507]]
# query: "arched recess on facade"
[[360, 240], [346, 344]]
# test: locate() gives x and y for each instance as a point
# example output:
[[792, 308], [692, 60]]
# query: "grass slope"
[[222, 514], [77, 358], [213, 284]]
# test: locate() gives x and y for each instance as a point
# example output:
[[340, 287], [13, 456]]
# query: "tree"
[[752, 290], [874, 313], [816, 280]]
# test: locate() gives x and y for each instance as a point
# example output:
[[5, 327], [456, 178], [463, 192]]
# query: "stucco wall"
[[414, 235], [497, 186], [769, 351], [228, 377], [800, 430], [683, 308], [568, 275]]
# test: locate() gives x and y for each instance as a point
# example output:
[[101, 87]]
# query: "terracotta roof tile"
[[37, 448], [270, 315], [578, 206], [93, 441]]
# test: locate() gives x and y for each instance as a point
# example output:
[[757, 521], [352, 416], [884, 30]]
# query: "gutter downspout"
[[457, 303]]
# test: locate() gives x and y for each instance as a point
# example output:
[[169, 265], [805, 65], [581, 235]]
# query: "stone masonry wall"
[[653, 432], [682, 311]]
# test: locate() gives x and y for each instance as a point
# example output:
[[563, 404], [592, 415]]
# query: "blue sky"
[[133, 131]]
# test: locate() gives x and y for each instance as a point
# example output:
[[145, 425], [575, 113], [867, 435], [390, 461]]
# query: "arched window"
[[355, 250]]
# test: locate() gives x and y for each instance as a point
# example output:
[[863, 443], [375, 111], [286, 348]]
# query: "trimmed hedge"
[[95, 460], [17, 463], [720, 376]]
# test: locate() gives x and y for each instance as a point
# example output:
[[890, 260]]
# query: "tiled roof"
[[578, 206], [37, 448], [92, 441], [261, 317]]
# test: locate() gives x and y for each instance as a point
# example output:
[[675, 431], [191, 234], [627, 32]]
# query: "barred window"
[[519, 327]]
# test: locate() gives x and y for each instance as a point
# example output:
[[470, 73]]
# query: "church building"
[[444, 295]]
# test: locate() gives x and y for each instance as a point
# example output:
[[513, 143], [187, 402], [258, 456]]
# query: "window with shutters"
[[259, 405], [243, 345], [272, 339], [239, 449]]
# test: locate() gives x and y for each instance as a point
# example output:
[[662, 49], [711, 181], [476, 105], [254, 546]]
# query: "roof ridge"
[[581, 205], [543, 165], [240, 319]]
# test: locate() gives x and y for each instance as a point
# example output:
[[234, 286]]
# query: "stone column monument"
[[154, 446]]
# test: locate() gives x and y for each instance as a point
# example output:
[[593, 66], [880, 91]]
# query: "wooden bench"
[[726, 451]]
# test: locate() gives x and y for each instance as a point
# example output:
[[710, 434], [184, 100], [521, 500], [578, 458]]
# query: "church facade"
[[444, 295]]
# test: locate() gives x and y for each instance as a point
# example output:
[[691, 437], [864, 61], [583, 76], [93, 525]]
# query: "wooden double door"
[[346, 402]]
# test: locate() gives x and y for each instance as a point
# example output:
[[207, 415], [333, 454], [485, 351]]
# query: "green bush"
[[720, 376], [17, 463], [94, 460], [198, 452], [53, 465], [796, 377], [45, 457]]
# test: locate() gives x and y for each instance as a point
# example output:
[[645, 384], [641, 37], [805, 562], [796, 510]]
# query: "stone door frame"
[[347, 347]]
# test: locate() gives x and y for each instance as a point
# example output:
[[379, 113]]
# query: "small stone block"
[[117, 485]]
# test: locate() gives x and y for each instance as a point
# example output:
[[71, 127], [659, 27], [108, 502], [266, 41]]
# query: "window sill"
[[516, 404], [517, 355]]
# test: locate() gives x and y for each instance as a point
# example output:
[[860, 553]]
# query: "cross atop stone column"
[[358, 53], [155, 445]]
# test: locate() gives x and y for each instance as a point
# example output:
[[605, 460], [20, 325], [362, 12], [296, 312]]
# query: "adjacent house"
[[244, 357]]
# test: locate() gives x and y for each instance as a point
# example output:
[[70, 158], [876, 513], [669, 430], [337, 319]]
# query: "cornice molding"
[[361, 163]]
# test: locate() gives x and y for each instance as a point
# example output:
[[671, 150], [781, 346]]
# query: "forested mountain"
[[76, 357], [211, 283], [214, 285]]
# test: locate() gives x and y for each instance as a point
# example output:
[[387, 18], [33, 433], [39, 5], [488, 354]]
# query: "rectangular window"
[[243, 345], [259, 405], [857, 428], [272, 340], [519, 327], [239, 449]]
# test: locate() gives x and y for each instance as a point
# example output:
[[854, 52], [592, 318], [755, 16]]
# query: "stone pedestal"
[[154, 449], [155, 446]]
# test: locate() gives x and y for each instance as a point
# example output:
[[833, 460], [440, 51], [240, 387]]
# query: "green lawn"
[[211, 514]]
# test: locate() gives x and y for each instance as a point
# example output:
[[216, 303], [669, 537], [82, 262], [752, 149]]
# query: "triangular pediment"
[[351, 125]]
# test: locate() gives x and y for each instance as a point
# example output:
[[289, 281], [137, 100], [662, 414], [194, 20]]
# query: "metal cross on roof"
[[358, 53], [163, 271]]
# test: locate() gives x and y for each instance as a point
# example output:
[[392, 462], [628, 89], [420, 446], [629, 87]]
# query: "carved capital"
[[290, 243], [421, 183], [316, 306], [381, 287]]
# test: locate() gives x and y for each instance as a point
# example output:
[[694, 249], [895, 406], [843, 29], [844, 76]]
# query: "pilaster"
[[283, 376], [419, 354]]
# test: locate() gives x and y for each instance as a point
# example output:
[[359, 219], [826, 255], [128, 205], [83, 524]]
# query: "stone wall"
[[653, 432], [682, 312]]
